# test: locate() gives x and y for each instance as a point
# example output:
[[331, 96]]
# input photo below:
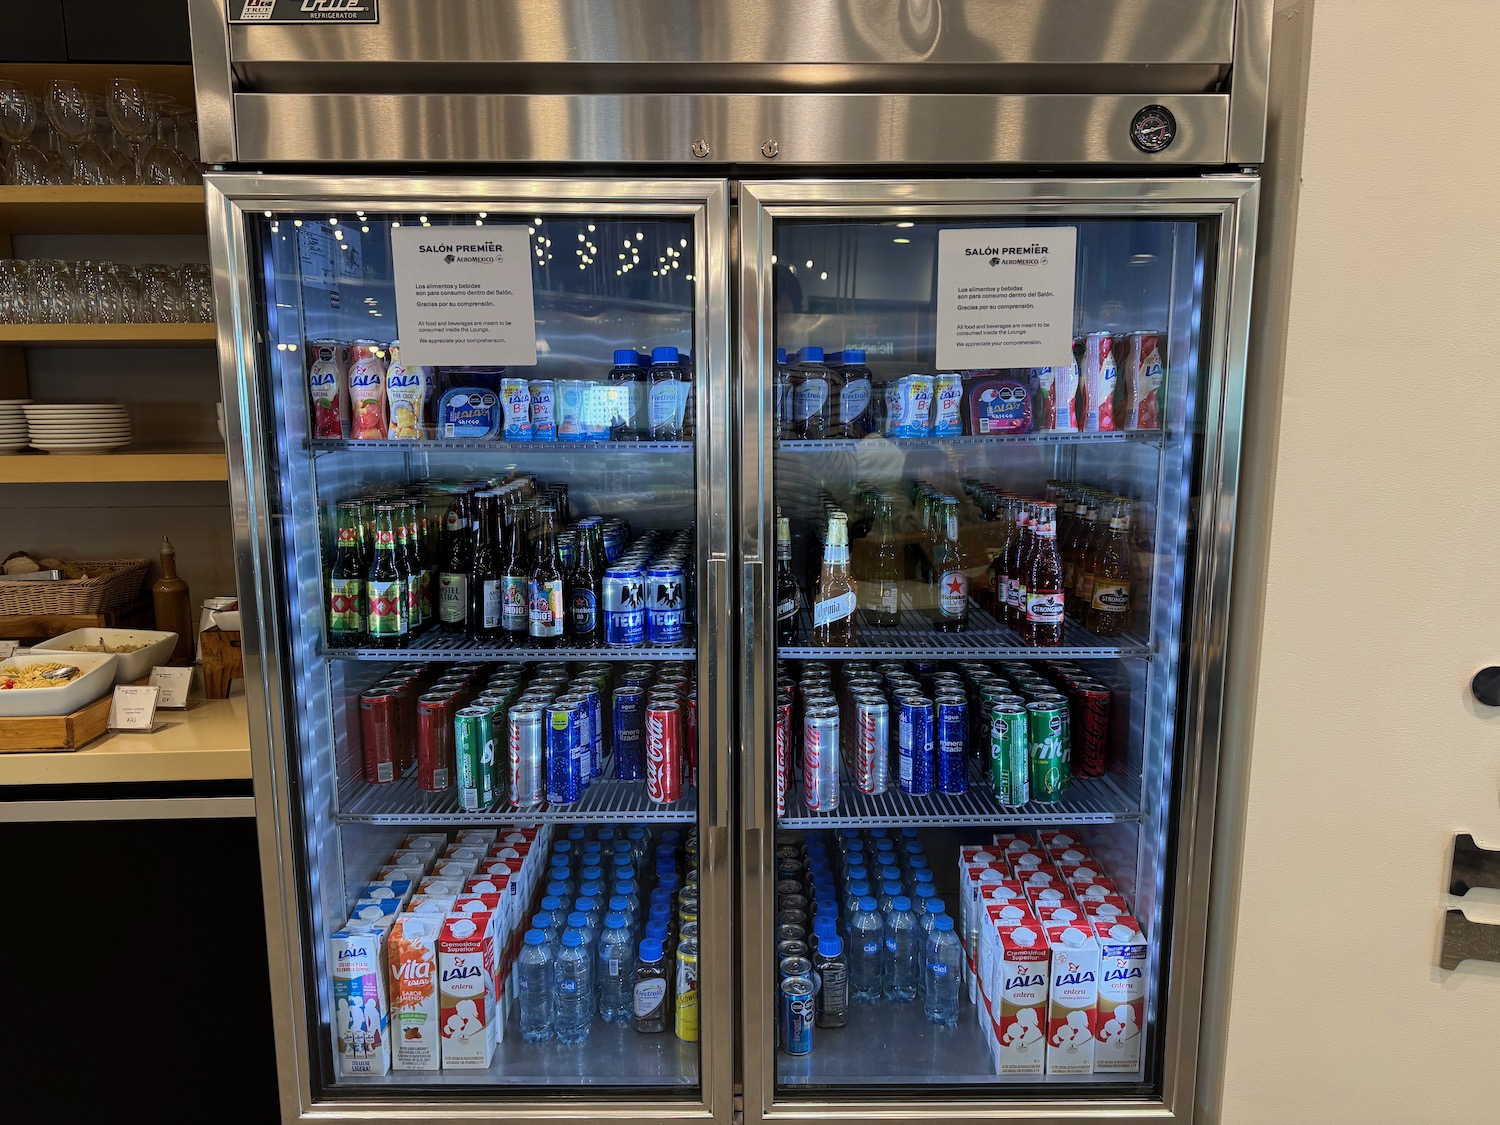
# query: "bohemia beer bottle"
[[346, 581], [833, 608], [1044, 589], [950, 612], [1109, 609], [453, 574], [547, 607], [386, 586], [788, 597]]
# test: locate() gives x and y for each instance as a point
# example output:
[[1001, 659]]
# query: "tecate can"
[[624, 607], [820, 758], [916, 745], [789, 967], [872, 747], [787, 931], [952, 721], [543, 410], [435, 712], [1090, 728], [528, 756], [1050, 749], [797, 1015], [564, 786], [379, 726], [628, 707], [474, 752], [687, 990], [666, 604], [664, 752], [1010, 754]]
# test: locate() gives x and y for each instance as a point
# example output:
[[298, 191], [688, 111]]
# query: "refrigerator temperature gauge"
[[1153, 128]]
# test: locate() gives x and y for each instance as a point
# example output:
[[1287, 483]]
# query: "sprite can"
[[474, 755], [1051, 749], [1010, 753]]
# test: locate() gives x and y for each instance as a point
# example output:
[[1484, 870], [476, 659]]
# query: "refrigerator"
[[854, 392]]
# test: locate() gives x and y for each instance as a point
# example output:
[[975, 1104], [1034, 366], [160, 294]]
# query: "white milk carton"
[[1122, 994], [361, 1017], [389, 888], [1065, 912], [1075, 854], [440, 905], [496, 908], [411, 873], [457, 867], [1072, 998], [1042, 875], [1022, 969], [413, 857], [372, 910], [1006, 842], [1080, 873], [466, 990], [427, 841], [413, 955], [1059, 839], [1022, 862], [1106, 909], [1096, 890], [437, 885], [476, 837]]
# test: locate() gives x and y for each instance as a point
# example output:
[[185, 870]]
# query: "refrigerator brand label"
[[307, 11], [1005, 297], [464, 299]]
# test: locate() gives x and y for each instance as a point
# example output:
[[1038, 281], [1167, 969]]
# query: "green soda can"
[[1010, 753], [1051, 749], [474, 755]]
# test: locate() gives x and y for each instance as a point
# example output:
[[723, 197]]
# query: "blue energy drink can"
[[916, 736], [797, 1015], [563, 783], [630, 733], [952, 723], [583, 744], [594, 702]]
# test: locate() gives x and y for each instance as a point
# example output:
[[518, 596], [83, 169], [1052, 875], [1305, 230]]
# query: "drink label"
[[1111, 597], [325, 385], [810, 399], [367, 397], [1000, 406], [663, 403], [470, 412], [948, 395], [953, 594], [514, 611], [547, 608], [585, 611], [1044, 606], [405, 390], [889, 598], [854, 399], [890, 945], [649, 997], [344, 603], [871, 948], [386, 608], [515, 395], [834, 609], [453, 598], [786, 608]]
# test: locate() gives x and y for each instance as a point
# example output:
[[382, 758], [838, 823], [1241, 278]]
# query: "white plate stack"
[[77, 427], [13, 433]]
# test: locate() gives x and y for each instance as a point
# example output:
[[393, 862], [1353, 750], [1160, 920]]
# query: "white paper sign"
[[1005, 297], [174, 684], [133, 707], [8, 649], [463, 295]]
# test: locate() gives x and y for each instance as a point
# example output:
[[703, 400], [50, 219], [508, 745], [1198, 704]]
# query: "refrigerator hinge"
[[737, 1114]]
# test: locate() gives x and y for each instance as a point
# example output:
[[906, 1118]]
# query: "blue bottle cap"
[[660, 912], [859, 888], [830, 945], [650, 949], [890, 887], [890, 871], [589, 889], [615, 920], [781, 358], [923, 876], [857, 872], [551, 903], [665, 849], [909, 833], [943, 922], [657, 930], [578, 919], [572, 938], [663, 355], [856, 355], [585, 903], [618, 902], [867, 903], [561, 847], [879, 833], [900, 902], [812, 355], [825, 926], [935, 906], [542, 919], [536, 937], [576, 833], [556, 888], [624, 887], [625, 357], [926, 890]]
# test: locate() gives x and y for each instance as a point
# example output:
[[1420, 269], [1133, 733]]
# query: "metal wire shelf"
[[874, 441], [606, 801], [437, 645], [509, 448]]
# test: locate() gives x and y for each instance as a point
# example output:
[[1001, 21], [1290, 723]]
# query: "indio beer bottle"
[[346, 581], [386, 587], [1109, 608]]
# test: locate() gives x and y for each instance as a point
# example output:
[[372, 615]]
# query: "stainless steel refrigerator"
[[780, 197]]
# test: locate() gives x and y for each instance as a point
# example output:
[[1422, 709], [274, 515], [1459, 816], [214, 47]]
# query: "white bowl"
[[131, 666], [98, 677]]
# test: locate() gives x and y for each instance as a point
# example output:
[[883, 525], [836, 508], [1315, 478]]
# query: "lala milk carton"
[[1042, 875], [1064, 912], [420, 858], [1096, 890], [438, 885], [456, 867], [1022, 862], [1046, 896], [1122, 994], [493, 907], [1022, 969], [361, 1017], [439, 905], [1057, 839], [1072, 997], [413, 955], [1106, 909], [1005, 842], [476, 837], [373, 910], [399, 889], [976, 866], [409, 873], [466, 991], [994, 914], [1080, 872], [1073, 854]]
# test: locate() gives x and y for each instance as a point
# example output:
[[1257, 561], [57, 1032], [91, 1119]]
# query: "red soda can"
[[692, 739], [783, 748], [379, 724], [1090, 722], [435, 741], [663, 751]]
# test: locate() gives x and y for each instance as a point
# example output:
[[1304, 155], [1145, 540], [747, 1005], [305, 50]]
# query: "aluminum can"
[[564, 786], [785, 949], [1010, 754], [788, 885], [379, 724], [1090, 726], [872, 748], [788, 967], [788, 931], [594, 700], [614, 535], [405, 693], [528, 755], [666, 604], [543, 410], [583, 741], [1051, 771], [435, 712], [790, 868], [628, 707], [664, 752], [820, 758], [952, 723], [687, 905], [916, 745], [792, 901], [783, 749], [474, 752], [624, 606], [789, 917], [690, 738], [687, 990], [797, 1015]]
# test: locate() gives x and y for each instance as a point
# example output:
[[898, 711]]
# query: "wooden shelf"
[[107, 335], [134, 463], [101, 210]]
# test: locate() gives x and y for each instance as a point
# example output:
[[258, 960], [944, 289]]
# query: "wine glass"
[[74, 112], [133, 116], [24, 162], [163, 164]]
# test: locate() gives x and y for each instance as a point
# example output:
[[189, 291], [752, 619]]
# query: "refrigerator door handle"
[[752, 722], [721, 699]]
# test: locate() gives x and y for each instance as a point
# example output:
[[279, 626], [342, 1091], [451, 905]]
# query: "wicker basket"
[[119, 584]]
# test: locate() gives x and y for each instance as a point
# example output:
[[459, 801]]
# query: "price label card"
[[174, 684], [133, 708], [1005, 297], [8, 649]]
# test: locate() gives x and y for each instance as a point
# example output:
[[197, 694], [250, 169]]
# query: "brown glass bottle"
[[548, 606], [346, 581], [1083, 562], [788, 595], [169, 598], [515, 575], [1109, 605], [386, 595], [1015, 611], [1044, 597], [453, 573]]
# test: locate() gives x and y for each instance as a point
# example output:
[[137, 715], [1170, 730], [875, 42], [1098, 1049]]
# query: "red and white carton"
[[457, 867], [1056, 839], [1005, 842], [419, 858], [1022, 970], [1106, 909], [984, 868], [488, 885], [1075, 853], [476, 837], [1080, 872], [499, 909], [411, 872], [413, 955], [1003, 891], [466, 991], [1072, 998], [997, 916], [361, 1015], [1021, 862], [1122, 994], [1045, 896], [1066, 912], [426, 841], [1096, 889], [1042, 875]]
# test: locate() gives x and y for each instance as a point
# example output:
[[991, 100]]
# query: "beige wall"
[[1381, 593]]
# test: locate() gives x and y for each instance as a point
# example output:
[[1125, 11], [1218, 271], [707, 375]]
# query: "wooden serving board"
[[57, 732]]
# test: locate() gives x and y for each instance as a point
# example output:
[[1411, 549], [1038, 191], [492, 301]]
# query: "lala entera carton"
[[413, 955], [466, 1007], [1022, 970], [1122, 994], [1072, 997], [361, 1018]]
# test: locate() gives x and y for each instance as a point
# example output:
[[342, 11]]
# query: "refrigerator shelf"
[[606, 801], [841, 445], [985, 639], [436, 645], [509, 448]]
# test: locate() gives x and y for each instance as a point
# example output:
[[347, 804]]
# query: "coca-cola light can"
[[664, 751], [528, 771], [690, 738], [820, 758], [783, 748], [872, 745]]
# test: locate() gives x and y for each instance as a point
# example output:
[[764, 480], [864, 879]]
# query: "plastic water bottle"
[[664, 397], [619, 904], [901, 948], [858, 889], [932, 909], [573, 989], [888, 892], [534, 984], [943, 973], [616, 970], [588, 906], [866, 953], [543, 920]]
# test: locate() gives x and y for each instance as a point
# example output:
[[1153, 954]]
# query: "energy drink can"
[[1010, 754], [1051, 749], [1090, 724], [474, 752], [797, 1014], [564, 786], [379, 721], [629, 713]]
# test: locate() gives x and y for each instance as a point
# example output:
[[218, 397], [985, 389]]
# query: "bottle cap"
[[542, 919], [663, 355], [900, 902], [578, 919], [585, 903], [812, 355], [589, 889], [830, 945], [943, 923], [551, 903], [780, 355], [857, 873], [660, 911], [890, 887], [823, 927], [922, 876], [625, 357], [650, 949], [935, 906], [575, 833], [536, 937], [619, 902], [572, 938], [859, 888], [867, 903], [615, 920], [854, 355], [657, 930]]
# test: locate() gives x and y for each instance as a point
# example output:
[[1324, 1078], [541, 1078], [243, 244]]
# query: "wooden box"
[[56, 732]]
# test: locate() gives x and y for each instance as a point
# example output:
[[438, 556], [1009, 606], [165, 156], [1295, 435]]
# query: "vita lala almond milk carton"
[[1022, 968], [413, 955], [361, 1017], [1122, 994], [466, 991], [1072, 997]]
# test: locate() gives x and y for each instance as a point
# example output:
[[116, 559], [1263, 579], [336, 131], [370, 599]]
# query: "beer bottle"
[[515, 575], [1015, 606], [485, 594], [453, 574], [833, 609], [1067, 543], [346, 581], [386, 598], [1109, 607], [547, 606], [410, 589], [583, 588], [951, 611], [1083, 563], [788, 597], [885, 604], [1044, 604]]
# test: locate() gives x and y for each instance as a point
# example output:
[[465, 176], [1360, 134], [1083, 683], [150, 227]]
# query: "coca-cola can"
[[379, 726], [872, 749], [528, 756], [691, 739], [435, 741], [783, 749], [664, 751], [820, 758], [1090, 721]]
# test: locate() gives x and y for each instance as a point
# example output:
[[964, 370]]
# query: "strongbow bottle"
[[1044, 596], [951, 612], [1109, 609], [788, 597], [385, 586], [346, 581], [833, 609]]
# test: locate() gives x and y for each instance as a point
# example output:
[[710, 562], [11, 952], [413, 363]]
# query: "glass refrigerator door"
[[983, 663], [481, 592]]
